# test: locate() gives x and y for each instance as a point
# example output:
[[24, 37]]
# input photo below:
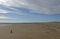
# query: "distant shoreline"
[[27, 22]]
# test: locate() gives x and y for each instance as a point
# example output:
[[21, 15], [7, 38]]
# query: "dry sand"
[[31, 31]]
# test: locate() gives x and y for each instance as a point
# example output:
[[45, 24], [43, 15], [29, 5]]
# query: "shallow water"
[[2, 25]]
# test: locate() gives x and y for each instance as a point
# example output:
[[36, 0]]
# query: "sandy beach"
[[31, 31]]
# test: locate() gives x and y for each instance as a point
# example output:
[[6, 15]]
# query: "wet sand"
[[31, 31]]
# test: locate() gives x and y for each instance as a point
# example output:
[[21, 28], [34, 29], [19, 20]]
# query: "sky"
[[18, 11]]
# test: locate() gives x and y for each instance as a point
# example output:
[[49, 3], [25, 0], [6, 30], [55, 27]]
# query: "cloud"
[[3, 17], [16, 11], [6, 17], [3, 11], [7, 2], [42, 6]]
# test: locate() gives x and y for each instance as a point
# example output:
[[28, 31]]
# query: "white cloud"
[[16, 11], [3, 11], [3, 17], [8, 3], [6, 17], [42, 6]]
